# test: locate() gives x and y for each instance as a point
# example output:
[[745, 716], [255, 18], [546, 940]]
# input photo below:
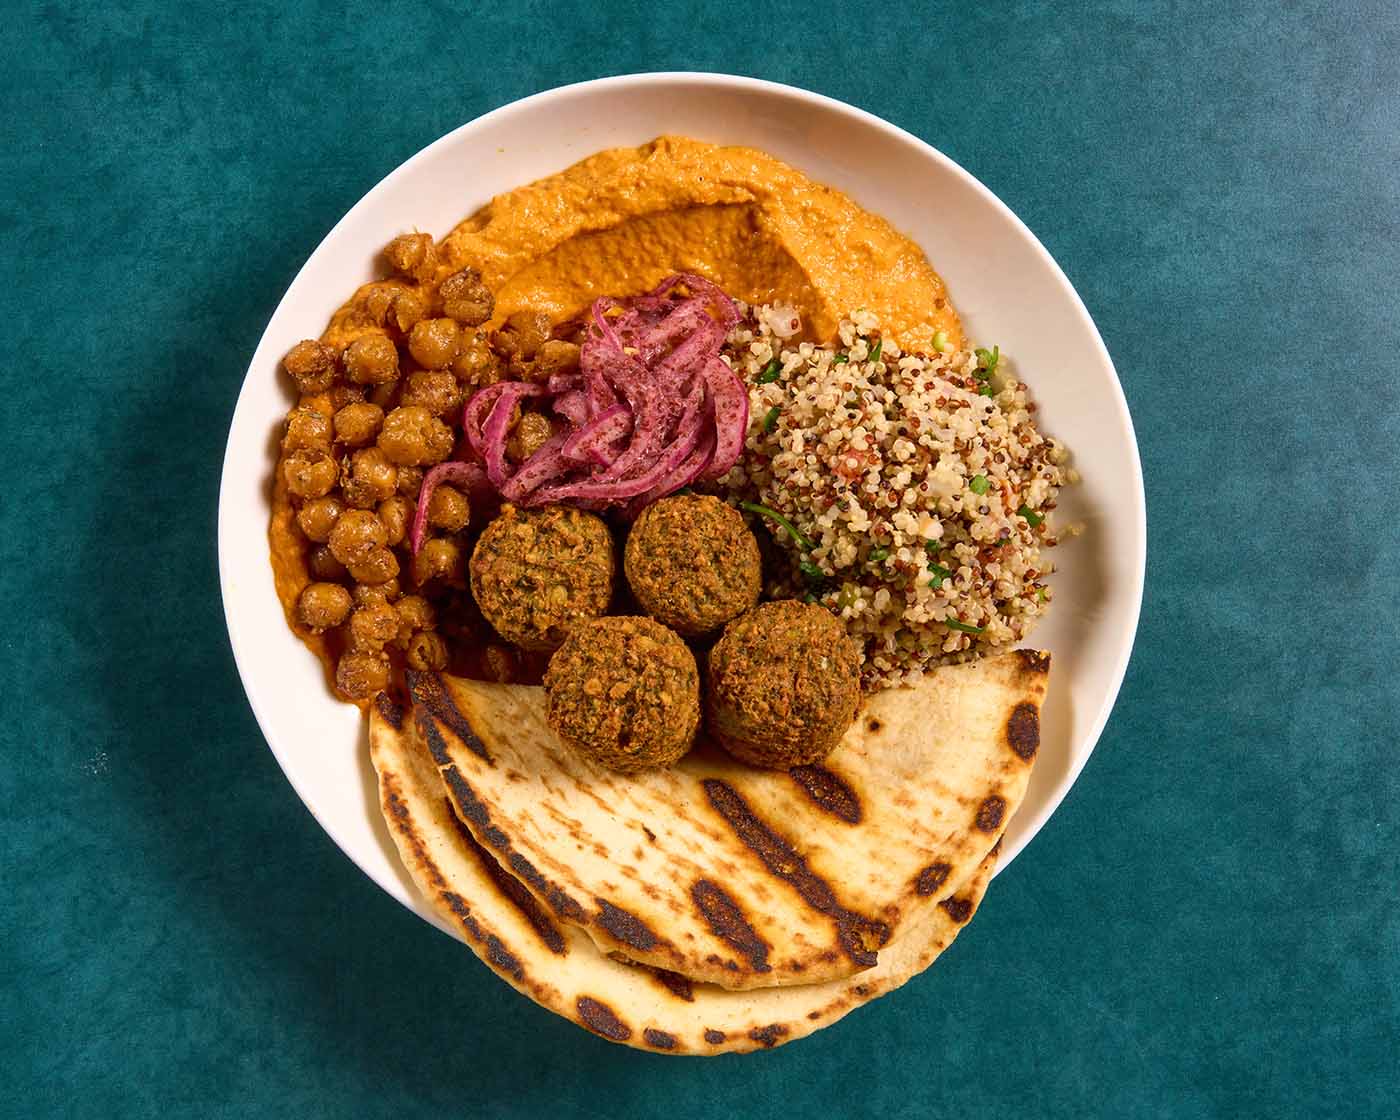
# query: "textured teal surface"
[[1210, 926]]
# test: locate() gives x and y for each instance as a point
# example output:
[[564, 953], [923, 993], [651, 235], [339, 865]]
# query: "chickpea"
[[367, 593], [425, 651], [409, 307], [413, 254], [412, 436], [322, 605], [355, 535], [556, 356], [498, 663], [396, 512], [448, 509], [372, 360], [373, 626], [410, 481], [435, 390], [523, 334], [439, 558], [323, 564], [380, 566], [357, 424], [434, 342], [478, 364], [307, 429], [311, 365], [343, 394], [317, 518], [415, 613], [531, 432], [466, 299], [362, 674], [371, 478], [386, 396], [309, 474]]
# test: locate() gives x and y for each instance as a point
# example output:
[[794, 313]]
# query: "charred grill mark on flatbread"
[[512, 888], [602, 1019], [726, 919], [496, 952], [659, 1039], [1023, 730], [390, 709], [990, 813], [678, 985], [858, 935], [429, 692], [828, 791], [959, 909], [1034, 660], [714, 1038], [469, 805], [625, 926], [931, 878], [768, 1036]]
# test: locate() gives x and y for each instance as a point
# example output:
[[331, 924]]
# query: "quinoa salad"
[[911, 493]]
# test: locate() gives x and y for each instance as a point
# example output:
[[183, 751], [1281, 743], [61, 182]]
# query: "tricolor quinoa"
[[918, 485]]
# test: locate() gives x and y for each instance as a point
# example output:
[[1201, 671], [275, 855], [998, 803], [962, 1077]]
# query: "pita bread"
[[735, 876], [556, 965]]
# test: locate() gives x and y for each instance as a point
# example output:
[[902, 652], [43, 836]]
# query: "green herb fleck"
[[987, 361], [939, 573], [986, 390], [809, 598], [840, 359], [875, 353], [1030, 515], [954, 624], [812, 573], [879, 555], [770, 421], [1042, 594], [770, 372], [979, 484], [778, 519]]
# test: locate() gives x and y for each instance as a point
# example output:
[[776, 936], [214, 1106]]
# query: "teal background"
[[1210, 926]]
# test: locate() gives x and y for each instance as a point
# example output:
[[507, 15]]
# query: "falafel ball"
[[692, 562], [624, 692], [783, 685], [537, 572]]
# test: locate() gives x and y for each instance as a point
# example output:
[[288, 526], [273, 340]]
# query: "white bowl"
[[1005, 285]]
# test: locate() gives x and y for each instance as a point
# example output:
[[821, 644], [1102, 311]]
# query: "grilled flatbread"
[[739, 877], [555, 963]]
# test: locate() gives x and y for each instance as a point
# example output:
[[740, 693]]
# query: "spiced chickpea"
[[434, 343], [355, 535], [523, 334], [531, 432], [412, 254], [357, 424], [556, 356], [408, 308], [366, 593], [321, 606], [307, 429], [410, 481], [362, 674], [466, 299], [435, 390], [448, 509], [372, 359], [440, 558], [415, 613], [380, 566], [396, 512], [311, 366], [373, 625], [322, 564], [478, 364], [371, 478], [342, 394], [317, 518], [426, 651], [412, 436], [309, 473], [386, 396]]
